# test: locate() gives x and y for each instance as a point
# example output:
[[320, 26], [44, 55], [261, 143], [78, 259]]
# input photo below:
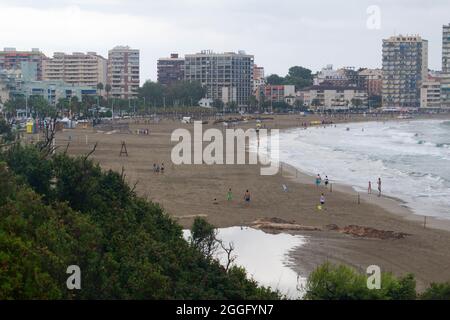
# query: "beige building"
[[78, 69], [327, 97], [123, 72], [258, 78], [373, 81], [430, 94]]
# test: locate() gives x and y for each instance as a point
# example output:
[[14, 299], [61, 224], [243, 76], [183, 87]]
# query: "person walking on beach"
[[326, 181], [247, 197], [318, 180], [369, 189], [379, 187], [229, 195], [162, 167], [154, 168]]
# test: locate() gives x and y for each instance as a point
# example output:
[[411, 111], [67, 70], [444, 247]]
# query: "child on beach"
[[247, 197], [229, 195], [369, 189], [326, 181], [322, 200], [162, 167]]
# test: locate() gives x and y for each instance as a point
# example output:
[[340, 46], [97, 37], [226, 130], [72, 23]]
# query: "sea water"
[[265, 257], [412, 158]]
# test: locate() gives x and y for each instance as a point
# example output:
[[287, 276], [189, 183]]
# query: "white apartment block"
[[123, 72], [334, 97], [77, 69], [430, 94], [226, 76], [405, 67]]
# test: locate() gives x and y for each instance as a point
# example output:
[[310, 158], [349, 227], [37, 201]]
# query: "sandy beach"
[[186, 191]]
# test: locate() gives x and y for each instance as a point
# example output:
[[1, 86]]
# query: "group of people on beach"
[[157, 168], [326, 182], [369, 188], [247, 197]]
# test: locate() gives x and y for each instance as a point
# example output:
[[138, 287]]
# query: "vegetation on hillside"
[[59, 211]]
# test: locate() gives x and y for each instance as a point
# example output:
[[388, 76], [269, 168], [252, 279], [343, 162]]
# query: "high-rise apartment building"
[[10, 59], [226, 76], [78, 69], [445, 82], [405, 67], [170, 70], [123, 72]]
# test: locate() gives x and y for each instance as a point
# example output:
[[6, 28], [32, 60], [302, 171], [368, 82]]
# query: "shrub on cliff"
[[57, 211], [338, 282]]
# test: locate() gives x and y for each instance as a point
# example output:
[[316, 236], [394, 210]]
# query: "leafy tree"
[[204, 237], [153, 92], [40, 106], [299, 76], [275, 79]]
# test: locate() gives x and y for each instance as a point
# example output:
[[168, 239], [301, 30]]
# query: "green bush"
[[437, 291], [338, 282]]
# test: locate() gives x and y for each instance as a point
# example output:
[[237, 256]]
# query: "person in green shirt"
[[229, 195]]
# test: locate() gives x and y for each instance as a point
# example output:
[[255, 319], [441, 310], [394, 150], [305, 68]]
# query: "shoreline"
[[389, 203], [393, 204]]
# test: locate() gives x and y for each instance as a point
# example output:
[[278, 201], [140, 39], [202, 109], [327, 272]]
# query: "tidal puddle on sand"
[[264, 256]]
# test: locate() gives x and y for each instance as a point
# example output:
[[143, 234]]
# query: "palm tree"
[[100, 88], [108, 90]]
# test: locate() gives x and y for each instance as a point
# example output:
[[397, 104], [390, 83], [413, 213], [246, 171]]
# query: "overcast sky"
[[279, 33]]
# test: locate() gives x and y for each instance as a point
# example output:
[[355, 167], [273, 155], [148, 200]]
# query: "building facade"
[[327, 97], [430, 94], [123, 72], [373, 81], [258, 78], [405, 67], [278, 93], [170, 70], [445, 83], [52, 91], [226, 76], [10, 59], [78, 69]]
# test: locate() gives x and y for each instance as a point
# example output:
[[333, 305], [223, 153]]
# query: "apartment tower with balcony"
[[123, 72], [226, 76], [170, 70], [405, 67], [77, 69]]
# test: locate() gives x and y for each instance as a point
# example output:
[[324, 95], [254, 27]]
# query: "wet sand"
[[187, 191]]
